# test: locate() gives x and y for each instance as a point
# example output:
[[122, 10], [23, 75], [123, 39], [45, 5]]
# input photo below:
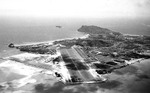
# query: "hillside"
[[97, 30]]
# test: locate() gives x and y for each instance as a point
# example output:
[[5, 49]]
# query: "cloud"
[[128, 69], [142, 3], [110, 84], [83, 88], [142, 77], [56, 88], [39, 87], [139, 87], [68, 8]]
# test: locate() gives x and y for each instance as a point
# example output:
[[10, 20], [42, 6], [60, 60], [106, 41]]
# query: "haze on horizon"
[[75, 8]]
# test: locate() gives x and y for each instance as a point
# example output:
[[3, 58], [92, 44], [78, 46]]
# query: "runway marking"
[[75, 66], [87, 66]]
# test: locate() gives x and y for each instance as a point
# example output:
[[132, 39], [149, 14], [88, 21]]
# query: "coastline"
[[51, 41], [19, 68], [36, 47], [131, 35], [28, 72]]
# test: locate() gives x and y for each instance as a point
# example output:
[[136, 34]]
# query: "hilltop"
[[97, 30]]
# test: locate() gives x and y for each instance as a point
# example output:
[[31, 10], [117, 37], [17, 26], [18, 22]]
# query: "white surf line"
[[75, 65], [51, 41], [133, 61], [35, 43]]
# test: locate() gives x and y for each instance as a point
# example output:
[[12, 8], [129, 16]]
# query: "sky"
[[75, 8]]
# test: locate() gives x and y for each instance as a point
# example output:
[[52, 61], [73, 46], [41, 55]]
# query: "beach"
[[52, 41]]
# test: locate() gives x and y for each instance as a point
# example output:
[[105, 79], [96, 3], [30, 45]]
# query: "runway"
[[76, 66]]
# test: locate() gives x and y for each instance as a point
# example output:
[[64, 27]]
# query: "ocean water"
[[25, 30]]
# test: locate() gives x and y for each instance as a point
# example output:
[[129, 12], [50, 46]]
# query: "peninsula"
[[86, 60]]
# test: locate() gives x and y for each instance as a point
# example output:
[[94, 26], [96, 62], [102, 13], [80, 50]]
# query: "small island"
[[59, 26], [87, 60]]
